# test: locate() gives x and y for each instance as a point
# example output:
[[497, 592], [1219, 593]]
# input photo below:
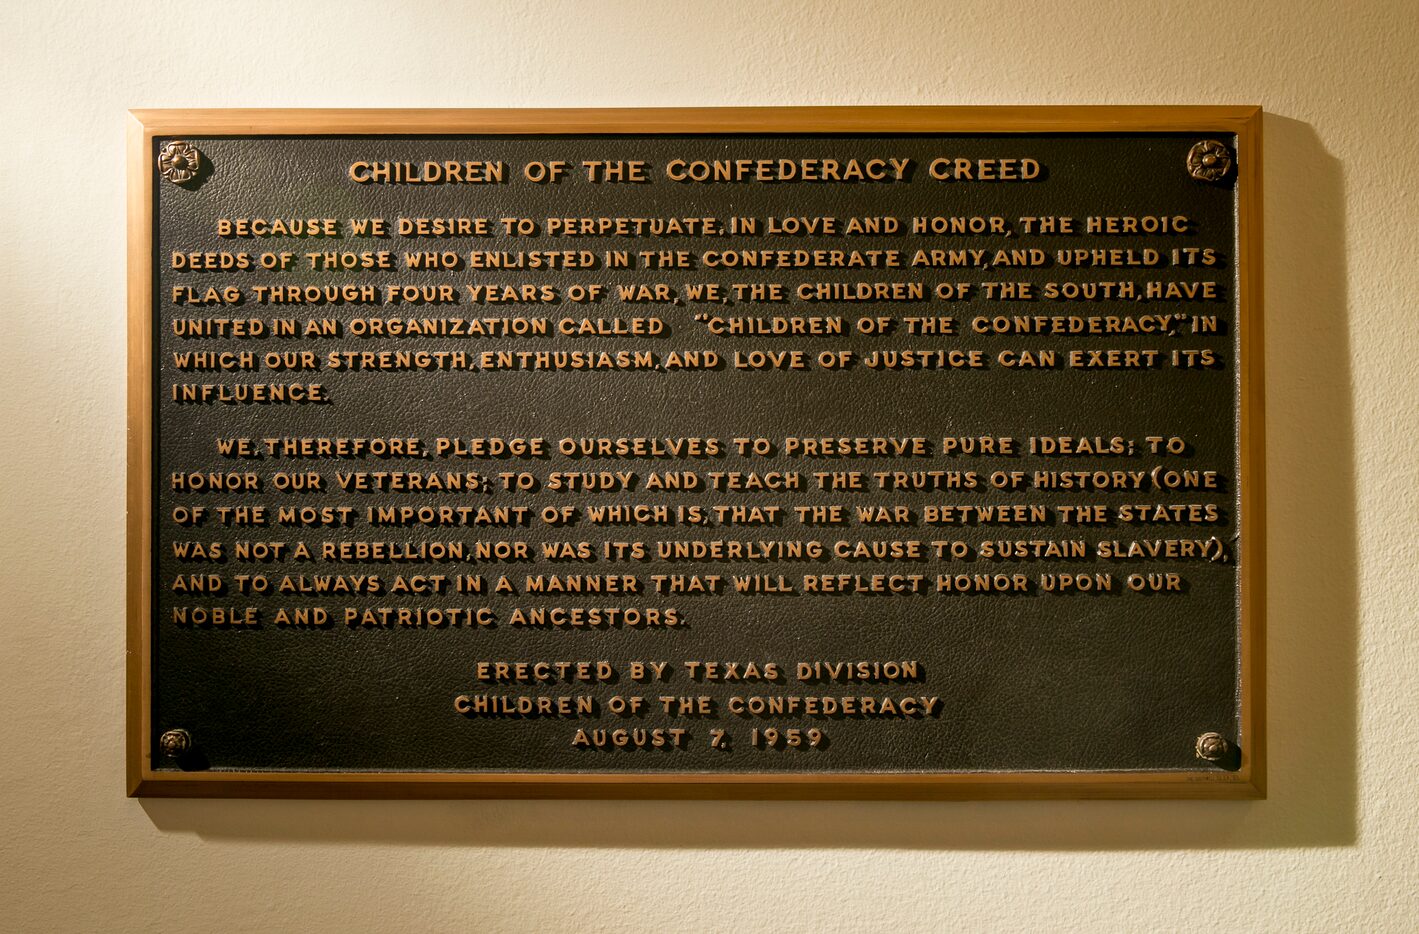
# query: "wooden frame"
[[1248, 781]]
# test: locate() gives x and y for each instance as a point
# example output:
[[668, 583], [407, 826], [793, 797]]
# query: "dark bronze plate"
[[1055, 591]]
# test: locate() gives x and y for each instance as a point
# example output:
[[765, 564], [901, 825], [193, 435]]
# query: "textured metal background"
[[1033, 682]]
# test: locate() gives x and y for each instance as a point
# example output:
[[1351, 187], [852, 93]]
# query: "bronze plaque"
[[819, 452]]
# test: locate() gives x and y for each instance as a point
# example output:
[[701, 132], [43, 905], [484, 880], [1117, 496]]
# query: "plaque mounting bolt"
[[1209, 161], [1213, 747], [174, 743], [179, 162]]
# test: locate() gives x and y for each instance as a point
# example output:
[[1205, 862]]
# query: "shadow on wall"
[[1312, 644]]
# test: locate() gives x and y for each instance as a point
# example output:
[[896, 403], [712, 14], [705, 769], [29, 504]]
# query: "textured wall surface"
[[1334, 848]]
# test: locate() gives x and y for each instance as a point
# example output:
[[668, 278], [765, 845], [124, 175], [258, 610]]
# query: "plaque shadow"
[[1311, 641]]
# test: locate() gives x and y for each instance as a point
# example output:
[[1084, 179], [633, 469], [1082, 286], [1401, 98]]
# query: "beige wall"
[[1333, 849]]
